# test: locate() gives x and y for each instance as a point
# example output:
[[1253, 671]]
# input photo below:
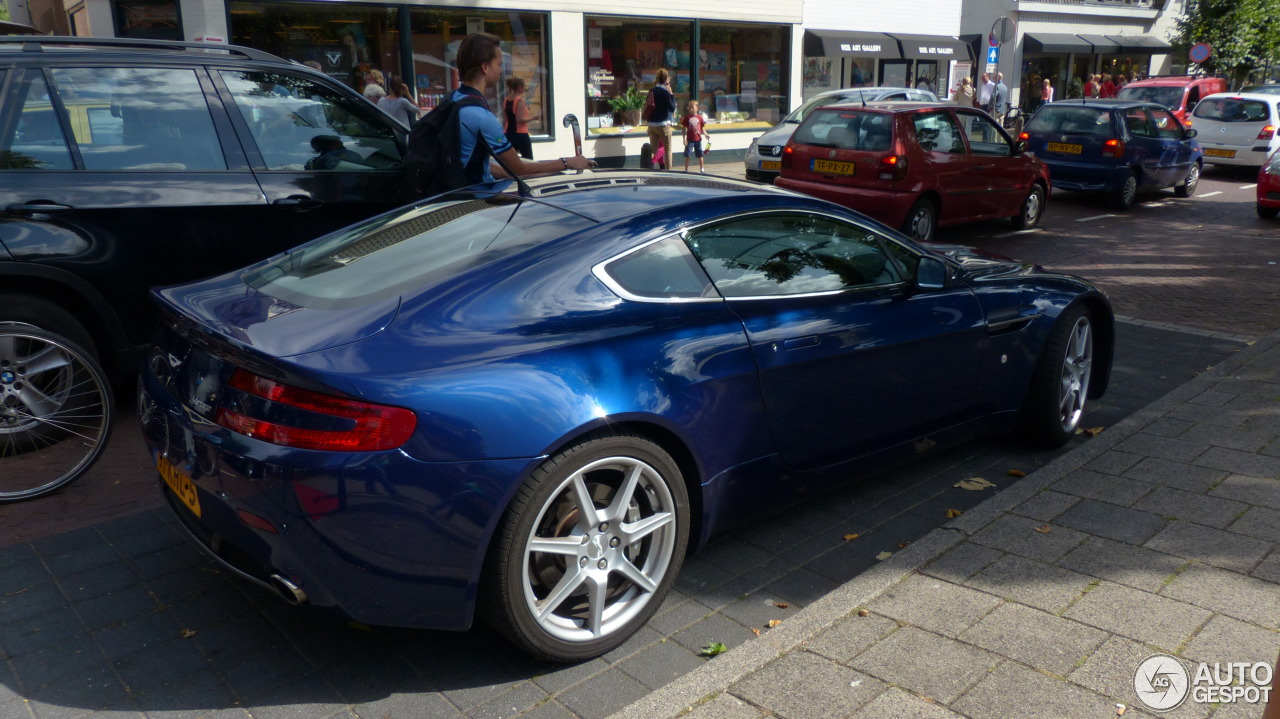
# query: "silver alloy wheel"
[[600, 547], [36, 382], [1031, 208], [1130, 190], [1077, 368], [1193, 178], [921, 224]]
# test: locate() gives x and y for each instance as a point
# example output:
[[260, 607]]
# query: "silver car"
[[764, 156], [1237, 128]]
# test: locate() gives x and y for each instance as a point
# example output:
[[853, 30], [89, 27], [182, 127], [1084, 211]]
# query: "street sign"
[[1200, 52], [993, 55]]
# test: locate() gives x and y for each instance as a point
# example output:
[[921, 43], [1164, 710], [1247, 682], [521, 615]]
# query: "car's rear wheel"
[[1123, 196], [588, 548], [1187, 187], [1060, 385], [922, 221], [1268, 213], [1032, 209]]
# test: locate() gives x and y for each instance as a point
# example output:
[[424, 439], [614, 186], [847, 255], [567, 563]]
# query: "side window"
[[35, 141], [789, 255], [139, 118], [1167, 125], [1193, 96], [894, 97], [937, 132], [1139, 123], [663, 270], [985, 138], [300, 124]]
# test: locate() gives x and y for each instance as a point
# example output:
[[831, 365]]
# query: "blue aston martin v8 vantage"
[[528, 404]]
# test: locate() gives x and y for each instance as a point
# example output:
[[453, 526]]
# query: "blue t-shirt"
[[476, 122]]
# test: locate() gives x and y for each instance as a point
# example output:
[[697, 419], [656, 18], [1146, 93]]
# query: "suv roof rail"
[[31, 43], [1185, 75]]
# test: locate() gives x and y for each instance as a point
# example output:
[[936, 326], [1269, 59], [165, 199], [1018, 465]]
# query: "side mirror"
[[1192, 132], [931, 273], [1020, 147]]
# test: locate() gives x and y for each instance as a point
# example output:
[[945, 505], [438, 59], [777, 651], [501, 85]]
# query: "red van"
[[1179, 93]]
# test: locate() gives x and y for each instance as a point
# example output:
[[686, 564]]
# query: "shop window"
[[623, 59], [743, 74], [150, 19]]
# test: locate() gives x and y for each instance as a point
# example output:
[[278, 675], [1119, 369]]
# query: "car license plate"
[[770, 164], [179, 483], [1220, 153], [833, 167], [1064, 148]]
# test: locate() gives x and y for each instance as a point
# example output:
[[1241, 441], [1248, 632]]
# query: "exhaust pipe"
[[291, 592]]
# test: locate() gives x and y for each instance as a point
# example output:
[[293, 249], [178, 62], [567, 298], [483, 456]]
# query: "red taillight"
[[893, 167], [370, 427], [1024, 136], [252, 520], [1267, 132], [1113, 148], [787, 152]]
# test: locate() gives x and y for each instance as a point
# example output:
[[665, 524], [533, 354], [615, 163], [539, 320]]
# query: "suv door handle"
[[301, 203], [26, 209]]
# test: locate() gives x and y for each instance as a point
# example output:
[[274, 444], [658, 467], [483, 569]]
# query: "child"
[[695, 128]]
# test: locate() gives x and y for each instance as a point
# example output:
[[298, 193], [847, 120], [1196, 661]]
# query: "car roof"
[[1112, 104], [1259, 96], [41, 48], [889, 107], [1173, 80]]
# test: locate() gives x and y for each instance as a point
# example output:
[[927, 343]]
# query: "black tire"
[[1031, 209], [1060, 384], [1187, 187], [1268, 213], [922, 221], [1123, 196], [547, 506]]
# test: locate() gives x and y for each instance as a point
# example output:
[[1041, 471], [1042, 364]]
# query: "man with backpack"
[[451, 146]]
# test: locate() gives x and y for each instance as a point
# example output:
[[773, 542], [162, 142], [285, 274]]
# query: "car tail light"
[[1267, 132], [1024, 136], [787, 152], [1113, 148], [293, 417], [893, 167]]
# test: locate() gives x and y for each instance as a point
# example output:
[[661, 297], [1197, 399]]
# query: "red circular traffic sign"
[[1200, 52]]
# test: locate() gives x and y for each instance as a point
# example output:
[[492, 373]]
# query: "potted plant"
[[626, 106]]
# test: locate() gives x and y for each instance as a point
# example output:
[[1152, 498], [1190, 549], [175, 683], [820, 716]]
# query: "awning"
[[14, 28], [1055, 43], [1102, 45], [1140, 43], [840, 43], [932, 47]]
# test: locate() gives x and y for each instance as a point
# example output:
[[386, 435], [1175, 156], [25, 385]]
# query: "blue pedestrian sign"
[[993, 55]]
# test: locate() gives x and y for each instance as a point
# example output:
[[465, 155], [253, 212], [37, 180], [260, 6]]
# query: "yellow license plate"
[[1064, 148], [1221, 153], [770, 165], [833, 167], [180, 483]]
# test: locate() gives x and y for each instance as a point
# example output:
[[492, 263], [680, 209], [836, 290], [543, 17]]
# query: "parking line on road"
[[1211, 194], [1091, 219], [1019, 232], [1248, 187]]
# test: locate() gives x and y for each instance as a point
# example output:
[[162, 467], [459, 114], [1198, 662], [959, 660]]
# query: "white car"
[[1237, 128], [764, 157]]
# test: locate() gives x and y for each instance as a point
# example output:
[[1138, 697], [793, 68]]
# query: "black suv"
[[131, 163]]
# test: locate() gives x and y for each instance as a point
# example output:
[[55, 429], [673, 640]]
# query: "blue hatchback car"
[[529, 404], [1115, 147]]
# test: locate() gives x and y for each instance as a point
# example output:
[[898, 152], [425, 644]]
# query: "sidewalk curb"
[[721, 673]]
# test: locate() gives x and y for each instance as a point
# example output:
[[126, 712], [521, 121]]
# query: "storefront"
[[1057, 57], [927, 63], [1133, 55], [835, 58]]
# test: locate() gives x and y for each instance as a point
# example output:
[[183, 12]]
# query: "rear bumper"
[[886, 206], [1082, 177], [1245, 155]]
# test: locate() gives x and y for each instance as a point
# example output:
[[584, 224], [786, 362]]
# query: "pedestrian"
[[964, 94], [515, 117], [1108, 87], [985, 92], [1120, 82], [1046, 92], [1090, 88], [479, 64], [695, 131], [664, 108], [398, 102], [999, 96]]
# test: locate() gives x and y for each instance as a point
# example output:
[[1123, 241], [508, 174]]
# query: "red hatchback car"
[[915, 166], [1269, 187]]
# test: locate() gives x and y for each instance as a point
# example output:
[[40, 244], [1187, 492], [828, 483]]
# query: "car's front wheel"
[[588, 548], [1187, 187], [1060, 385], [1031, 210], [922, 221]]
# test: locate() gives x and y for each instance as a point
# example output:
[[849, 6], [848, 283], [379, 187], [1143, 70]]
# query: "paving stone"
[[849, 636], [897, 704], [1109, 671], [801, 586], [681, 616], [1193, 507], [1040, 585], [1259, 522], [1113, 462], [755, 610], [511, 704], [599, 697], [1018, 535], [961, 562], [1107, 520], [1150, 445], [1211, 546], [698, 575], [724, 706], [55, 661], [40, 631], [1106, 487], [806, 686], [1232, 438], [661, 663], [1014, 690], [1269, 569], [1252, 490], [1044, 506], [638, 641], [1175, 474], [1038, 639], [1169, 427], [557, 677], [1223, 416], [1154, 619], [1249, 598], [419, 705], [1225, 639], [1139, 567], [734, 555], [1248, 464], [952, 667], [1212, 398], [21, 602], [934, 605], [263, 669], [716, 628]]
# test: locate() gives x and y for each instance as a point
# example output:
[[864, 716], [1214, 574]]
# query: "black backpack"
[[435, 142]]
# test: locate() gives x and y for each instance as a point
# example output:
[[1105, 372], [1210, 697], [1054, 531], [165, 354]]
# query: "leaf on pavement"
[[713, 649], [781, 605], [976, 484], [884, 555], [1044, 529], [188, 633], [847, 537], [756, 631], [774, 622], [1016, 473], [863, 613], [953, 513], [1094, 431]]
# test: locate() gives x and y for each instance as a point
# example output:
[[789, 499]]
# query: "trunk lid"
[[843, 146]]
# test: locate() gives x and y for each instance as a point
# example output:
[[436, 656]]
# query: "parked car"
[[527, 406], [915, 166], [1269, 187], [1264, 89], [764, 156], [1178, 93], [1115, 147], [1237, 129]]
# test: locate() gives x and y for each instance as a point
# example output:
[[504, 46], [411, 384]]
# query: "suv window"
[[1139, 124], [1226, 109], [985, 137], [937, 132], [847, 130], [789, 255], [1167, 125], [36, 140], [299, 124], [139, 118]]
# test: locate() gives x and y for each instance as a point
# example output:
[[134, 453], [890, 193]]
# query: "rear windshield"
[[1072, 120], [1168, 95], [847, 130], [1226, 109], [417, 248]]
